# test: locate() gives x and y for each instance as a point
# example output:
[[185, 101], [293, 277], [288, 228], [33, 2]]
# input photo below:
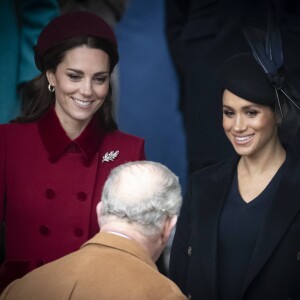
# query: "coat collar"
[[121, 243], [56, 140], [208, 212], [283, 210]]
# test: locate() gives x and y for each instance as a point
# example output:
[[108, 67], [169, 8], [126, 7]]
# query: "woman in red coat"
[[55, 158]]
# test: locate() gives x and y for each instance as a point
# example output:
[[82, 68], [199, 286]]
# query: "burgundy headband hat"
[[80, 23]]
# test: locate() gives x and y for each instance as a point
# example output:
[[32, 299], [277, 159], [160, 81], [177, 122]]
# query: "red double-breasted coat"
[[50, 186]]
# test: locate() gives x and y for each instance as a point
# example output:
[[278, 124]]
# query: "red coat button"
[[44, 230], [49, 193], [81, 196], [78, 232]]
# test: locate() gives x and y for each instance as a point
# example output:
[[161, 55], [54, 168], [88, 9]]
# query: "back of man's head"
[[141, 193]]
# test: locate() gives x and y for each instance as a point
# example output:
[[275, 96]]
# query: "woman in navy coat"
[[56, 157], [238, 233]]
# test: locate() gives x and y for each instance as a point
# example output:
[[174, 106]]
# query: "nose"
[[239, 124], [86, 88]]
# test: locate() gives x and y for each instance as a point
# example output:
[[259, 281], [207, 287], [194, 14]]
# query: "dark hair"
[[36, 99]]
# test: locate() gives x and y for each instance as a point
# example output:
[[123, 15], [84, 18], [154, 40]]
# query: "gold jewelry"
[[51, 88]]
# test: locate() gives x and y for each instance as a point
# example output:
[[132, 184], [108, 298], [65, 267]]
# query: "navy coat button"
[[189, 251], [44, 230], [189, 296], [78, 232], [81, 196], [298, 256], [49, 193]]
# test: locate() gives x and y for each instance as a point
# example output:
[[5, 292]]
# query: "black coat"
[[274, 271], [201, 35]]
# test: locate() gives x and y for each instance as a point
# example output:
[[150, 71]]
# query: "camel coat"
[[107, 267]]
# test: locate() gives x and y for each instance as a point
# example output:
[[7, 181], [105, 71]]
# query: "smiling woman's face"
[[250, 127], [81, 84]]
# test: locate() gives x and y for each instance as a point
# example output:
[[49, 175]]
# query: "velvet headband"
[[65, 26]]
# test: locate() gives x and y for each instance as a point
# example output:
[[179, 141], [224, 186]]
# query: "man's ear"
[[170, 224], [98, 210]]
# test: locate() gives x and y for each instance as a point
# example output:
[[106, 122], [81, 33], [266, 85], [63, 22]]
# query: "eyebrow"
[[244, 107], [80, 72]]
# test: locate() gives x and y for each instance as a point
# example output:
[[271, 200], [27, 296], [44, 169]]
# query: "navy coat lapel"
[[214, 194], [283, 210]]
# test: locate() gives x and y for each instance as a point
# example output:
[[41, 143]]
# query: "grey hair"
[[144, 193]]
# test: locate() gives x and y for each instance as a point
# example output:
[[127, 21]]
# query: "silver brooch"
[[110, 156]]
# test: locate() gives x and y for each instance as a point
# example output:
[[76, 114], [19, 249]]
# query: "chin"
[[82, 117], [243, 152]]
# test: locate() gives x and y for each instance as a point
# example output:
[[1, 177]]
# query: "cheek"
[[266, 128], [102, 91], [226, 124], [65, 87], [100, 103], [227, 128], [262, 124]]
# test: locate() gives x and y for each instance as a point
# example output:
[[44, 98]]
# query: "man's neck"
[[120, 234], [128, 231]]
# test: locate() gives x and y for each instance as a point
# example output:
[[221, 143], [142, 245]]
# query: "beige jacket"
[[106, 267]]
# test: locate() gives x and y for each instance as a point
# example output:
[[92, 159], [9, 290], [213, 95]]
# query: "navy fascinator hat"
[[259, 76], [242, 76]]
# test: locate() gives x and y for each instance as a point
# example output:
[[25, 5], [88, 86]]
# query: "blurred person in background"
[[20, 23]]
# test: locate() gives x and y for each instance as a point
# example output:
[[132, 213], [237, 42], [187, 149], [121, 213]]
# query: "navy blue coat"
[[274, 271]]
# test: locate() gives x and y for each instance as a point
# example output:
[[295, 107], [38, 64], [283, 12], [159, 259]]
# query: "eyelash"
[[228, 113], [99, 80], [73, 76], [250, 113]]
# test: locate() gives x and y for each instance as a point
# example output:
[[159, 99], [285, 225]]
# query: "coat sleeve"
[[176, 19], [2, 193], [179, 258], [2, 175]]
